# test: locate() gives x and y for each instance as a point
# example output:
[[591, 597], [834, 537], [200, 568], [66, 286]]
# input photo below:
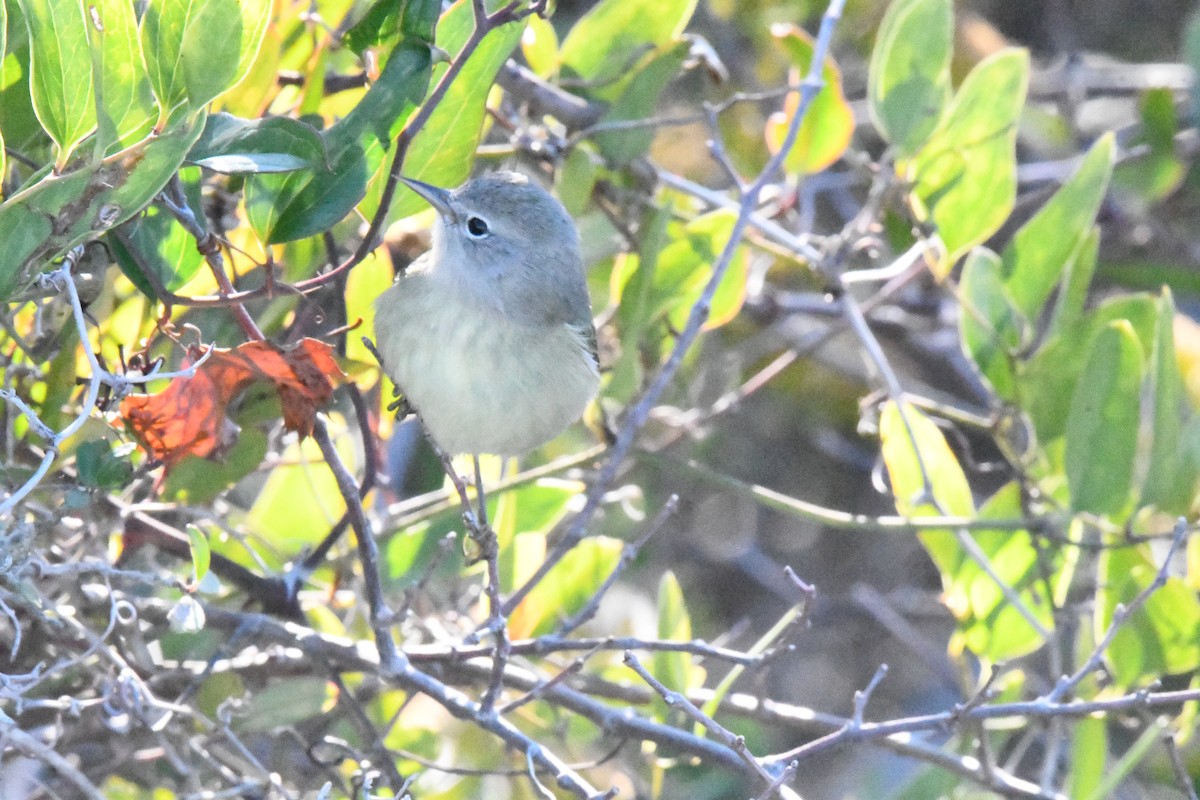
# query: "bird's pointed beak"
[[435, 196]]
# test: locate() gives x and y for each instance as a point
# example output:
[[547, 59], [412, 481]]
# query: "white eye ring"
[[477, 227]]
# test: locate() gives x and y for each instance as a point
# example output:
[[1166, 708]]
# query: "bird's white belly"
[[479, 383]]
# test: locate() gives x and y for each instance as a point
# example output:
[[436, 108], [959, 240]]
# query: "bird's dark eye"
[[477, 227]]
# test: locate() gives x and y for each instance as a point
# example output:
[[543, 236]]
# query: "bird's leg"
[[400, 404], [480, 497]]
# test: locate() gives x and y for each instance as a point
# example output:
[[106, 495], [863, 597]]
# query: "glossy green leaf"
[[615, 34], [256, 17], [674, 670], [194, 49], [283, 208], [965, 176], [230, 144], [61, 72], [1035, 258], [60, 211], [1102, 426], [444, 149], [568, 587], [1163, 637], [125, 102], [389, 21], [826, 129], [908, 83], [990, 327], [1170, 480]]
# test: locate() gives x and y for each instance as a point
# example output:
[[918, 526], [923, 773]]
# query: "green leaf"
[[991, 328], [298, 503], [230, 144], [201, 553], [98, 467], [637, 97], [1171, 478], [682, 269], [1077, 277], [161, 247], [966, 174], [1163, 636], [577, 178], [200, 480], [283, 208], [60, 211], [125, 107], [1049, 377], [539, 45], [444, 149], [908, 82], [1039, 251], [826, 129], [61, 72], [1102, 425], [674, 670], [390, 21], [567, 587], [194, 49], [993, 628], [1089, 755], [907, 470], [615, 34]]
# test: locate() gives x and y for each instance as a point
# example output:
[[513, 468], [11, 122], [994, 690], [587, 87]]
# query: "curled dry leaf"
[[188, 417]]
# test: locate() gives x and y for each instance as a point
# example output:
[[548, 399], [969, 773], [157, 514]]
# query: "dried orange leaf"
[[188, 417]]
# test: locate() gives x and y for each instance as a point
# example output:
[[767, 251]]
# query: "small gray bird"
[[489, 335]]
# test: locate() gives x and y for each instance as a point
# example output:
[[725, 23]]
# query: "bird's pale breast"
[[481, 383]]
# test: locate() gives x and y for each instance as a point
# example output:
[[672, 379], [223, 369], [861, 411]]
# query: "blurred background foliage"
[[1042, 333]]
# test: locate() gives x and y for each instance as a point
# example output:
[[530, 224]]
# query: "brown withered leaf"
[[187, 418]]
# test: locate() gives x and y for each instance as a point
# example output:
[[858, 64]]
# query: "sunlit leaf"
[[58, 212], [1038, 252], [965, 175], [273, 144], [1102, 426], [674, 670], [444, 149], [193, 50], [539, 45], [567, 587], [909, 77], [1163, 637], [127, 109], [991, 328], [283, 208], [615, 34], [828, 126], [61, 72], [1170, 480]]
